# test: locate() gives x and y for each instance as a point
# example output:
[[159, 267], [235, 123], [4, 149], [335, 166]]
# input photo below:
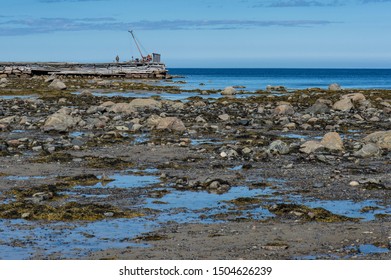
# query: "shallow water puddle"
[[119, 181], [22, 239], [197, 142], [200, 206], [76, 134], [350, 208], [8, 97], [141, 139], [23, 178], [371, 249], [353, 251], [183, 96]]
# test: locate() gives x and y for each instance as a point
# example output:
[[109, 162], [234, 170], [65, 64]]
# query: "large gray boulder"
[[335, 87], [310, 147], [122, 108], [381, 138], [145, 103], [343, 105], [229, 91], [278, 147], [332, 141], [60, 122], [284, 110], [171, 124], [368, 150], [58, 85], [318, 108]]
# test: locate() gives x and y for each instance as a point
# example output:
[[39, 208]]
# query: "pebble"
[[354, 184], [223, 154]]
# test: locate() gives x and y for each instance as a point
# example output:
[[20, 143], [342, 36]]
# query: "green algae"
[[69, 212], [305, 213], [107, 162]]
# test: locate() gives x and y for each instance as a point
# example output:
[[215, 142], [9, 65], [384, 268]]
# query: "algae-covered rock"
[[332, 141], [57, 84], [305, 213], [229, 91], [69, 212]]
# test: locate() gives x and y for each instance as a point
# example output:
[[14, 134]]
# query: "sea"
[[253, 79]]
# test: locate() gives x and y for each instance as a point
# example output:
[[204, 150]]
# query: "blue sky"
[[203, 33]]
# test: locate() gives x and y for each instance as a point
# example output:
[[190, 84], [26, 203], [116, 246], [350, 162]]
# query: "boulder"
[[107, 104], [311, 147], [354, 97], [60, 122], [145, 103], [8, 120], [229, 91], [153, 120], [224, 117], [381, 138], [318, 108], [278, 147], [270, 88], [171, 123], [57, 84], [86, 93], [335, 87], [368, 150], [332, 141], [122, 108], [343, 105], [3, 80], [284, 110]]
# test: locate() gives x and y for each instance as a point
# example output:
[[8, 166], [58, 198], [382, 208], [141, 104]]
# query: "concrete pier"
[[132, 69]]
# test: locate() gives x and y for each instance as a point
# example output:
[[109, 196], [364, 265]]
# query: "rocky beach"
[[274, 173]]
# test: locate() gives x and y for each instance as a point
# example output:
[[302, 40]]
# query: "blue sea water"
[[258, 78]]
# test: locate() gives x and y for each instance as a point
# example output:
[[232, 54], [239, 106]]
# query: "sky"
[[201, 33]]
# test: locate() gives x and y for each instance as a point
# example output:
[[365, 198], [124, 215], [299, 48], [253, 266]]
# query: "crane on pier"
[[147, 58]]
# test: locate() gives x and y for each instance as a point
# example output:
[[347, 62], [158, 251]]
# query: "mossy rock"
[[305, 213], [242, 201], [105, 162], [71, 211], [55, 157]]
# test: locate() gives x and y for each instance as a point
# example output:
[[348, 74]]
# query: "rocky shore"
[[276, 175]]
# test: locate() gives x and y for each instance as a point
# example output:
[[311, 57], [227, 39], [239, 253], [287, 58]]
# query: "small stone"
[[57, 84], [25, 215], [223, 154], [229, 91], [319, 185], [290, 126], [284, 110], [136, 127], [224, 117], [354, 184], [108, 214], [368, 150], [246, 150], [332, 141], [122, 128], [279, 147], [200, 119], [288, 166], [311, 147], [335, 87], [37, 148], [171, 123], [343, 105]]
